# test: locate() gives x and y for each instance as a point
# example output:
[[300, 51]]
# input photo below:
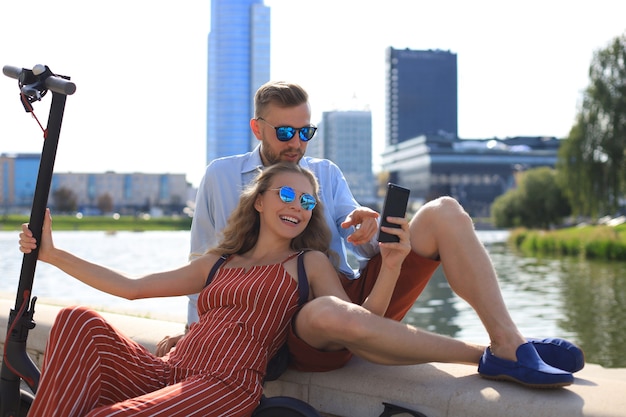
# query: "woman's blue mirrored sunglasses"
[[288, 194], [285, 133]]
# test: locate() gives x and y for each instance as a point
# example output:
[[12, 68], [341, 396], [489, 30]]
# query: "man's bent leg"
[[441, 227]]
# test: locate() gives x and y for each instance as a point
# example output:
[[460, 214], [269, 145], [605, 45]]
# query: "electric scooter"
[[19, 376], [17, 367]]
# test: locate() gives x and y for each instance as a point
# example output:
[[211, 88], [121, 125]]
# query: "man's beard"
[[272, 158]]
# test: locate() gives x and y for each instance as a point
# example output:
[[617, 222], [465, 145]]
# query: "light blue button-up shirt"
[[226, 177]]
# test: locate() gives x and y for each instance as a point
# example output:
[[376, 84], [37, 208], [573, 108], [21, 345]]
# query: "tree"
[[538, 202], [65, 199], [105, 203], [506, 209], [591, 160], [544, 203]]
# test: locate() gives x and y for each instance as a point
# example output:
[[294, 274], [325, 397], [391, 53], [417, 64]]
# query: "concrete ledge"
[[439, 390], [359, 389]]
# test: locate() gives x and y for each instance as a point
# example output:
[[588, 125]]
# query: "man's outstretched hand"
[[365, 222]]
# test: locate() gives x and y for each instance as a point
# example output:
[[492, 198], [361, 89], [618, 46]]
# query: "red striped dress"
[[217, 369]]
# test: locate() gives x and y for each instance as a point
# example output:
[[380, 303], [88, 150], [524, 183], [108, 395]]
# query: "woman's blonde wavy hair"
[[242, 230]]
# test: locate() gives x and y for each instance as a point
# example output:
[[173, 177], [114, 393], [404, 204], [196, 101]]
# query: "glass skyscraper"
[[421, 94], [238, 64]]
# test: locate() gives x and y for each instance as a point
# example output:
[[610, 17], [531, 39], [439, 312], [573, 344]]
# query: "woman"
[[90, 369]]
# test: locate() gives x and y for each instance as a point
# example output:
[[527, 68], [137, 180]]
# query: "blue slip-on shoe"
[[528, 370], [560, 353]]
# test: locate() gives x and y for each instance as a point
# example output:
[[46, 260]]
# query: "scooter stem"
[[16, 364]]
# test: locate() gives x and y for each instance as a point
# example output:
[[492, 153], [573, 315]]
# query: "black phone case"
[[395, 205]]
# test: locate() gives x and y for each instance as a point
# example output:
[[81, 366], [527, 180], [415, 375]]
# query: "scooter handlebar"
[[10, 71], [54, 83]]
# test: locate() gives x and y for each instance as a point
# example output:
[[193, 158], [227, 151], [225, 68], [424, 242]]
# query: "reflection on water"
[[577, 299], [436, 309], [596, 295], [584, 301]]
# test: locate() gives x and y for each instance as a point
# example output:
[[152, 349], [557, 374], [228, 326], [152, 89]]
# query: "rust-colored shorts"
[[415, 274]]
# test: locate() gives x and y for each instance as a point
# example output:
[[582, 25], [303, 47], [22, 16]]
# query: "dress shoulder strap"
[[303, 280], [216, 266]]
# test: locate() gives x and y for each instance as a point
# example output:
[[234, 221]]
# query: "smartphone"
[[395, 205]]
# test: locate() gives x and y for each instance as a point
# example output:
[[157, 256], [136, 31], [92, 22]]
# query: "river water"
[[582, 300]]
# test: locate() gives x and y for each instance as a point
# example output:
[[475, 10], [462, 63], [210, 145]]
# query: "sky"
[[140, 69]]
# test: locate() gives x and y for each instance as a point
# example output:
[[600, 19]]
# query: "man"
[[441, 232]]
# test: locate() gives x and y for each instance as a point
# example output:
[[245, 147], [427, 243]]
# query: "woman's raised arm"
[[188, 279]]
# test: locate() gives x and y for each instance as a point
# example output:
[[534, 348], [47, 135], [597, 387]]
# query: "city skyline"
[[140, 69]]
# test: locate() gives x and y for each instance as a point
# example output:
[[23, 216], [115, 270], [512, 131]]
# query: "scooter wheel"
[[284, 407]]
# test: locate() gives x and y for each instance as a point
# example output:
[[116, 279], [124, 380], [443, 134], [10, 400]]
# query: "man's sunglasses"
[[285, 133], [287, 195]]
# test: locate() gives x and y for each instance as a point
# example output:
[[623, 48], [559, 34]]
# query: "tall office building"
[[421, 94], [345, 137], [238, 64]]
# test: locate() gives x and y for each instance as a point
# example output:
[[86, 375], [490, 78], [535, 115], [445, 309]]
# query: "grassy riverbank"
[[104, 223], [589, 242]]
